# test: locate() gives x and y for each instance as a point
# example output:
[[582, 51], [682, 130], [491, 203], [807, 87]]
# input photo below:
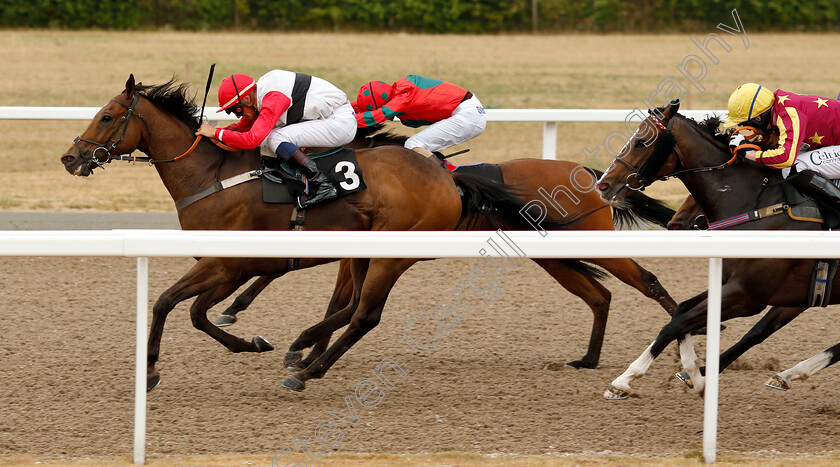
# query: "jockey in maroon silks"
[[452, 113], [808, 146], [282, 112]]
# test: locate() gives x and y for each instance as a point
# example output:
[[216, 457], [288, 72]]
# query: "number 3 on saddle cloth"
[[282, 184]]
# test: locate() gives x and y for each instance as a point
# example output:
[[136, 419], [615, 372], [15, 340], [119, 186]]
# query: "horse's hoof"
[[683, 376], [615, 394], [578, 364], [293, 384], [152, 382], [225, 320], [262, 344], [777, 382], [292, 358], [298, 366]]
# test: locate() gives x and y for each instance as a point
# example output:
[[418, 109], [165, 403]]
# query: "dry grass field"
[[54, 68]]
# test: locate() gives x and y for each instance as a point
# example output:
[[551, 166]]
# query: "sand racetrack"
[[494, 384]]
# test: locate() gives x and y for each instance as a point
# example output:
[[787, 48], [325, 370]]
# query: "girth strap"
[[299, 91], [218, 186], [750, 216]]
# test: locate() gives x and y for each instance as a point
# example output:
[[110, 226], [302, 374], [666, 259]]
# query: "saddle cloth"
[[282, 184]]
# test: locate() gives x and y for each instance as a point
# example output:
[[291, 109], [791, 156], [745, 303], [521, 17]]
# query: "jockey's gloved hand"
[[736, 140]]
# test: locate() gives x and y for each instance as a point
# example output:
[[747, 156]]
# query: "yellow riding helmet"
[[748, 101]]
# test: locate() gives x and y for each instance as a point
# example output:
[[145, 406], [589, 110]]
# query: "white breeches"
[[336, 130], [468, 120], [825, 161]]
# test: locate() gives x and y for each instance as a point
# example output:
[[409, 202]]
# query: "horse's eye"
[[107, 118], [639, 143]]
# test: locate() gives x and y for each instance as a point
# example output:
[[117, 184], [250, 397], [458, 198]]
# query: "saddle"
[[282, 184], [806, 209], [482, 169]]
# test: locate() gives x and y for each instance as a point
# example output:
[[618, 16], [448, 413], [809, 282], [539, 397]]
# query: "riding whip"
[[207, 91]]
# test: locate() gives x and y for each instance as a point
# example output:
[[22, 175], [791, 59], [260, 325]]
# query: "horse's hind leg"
[[380, 279], [333, 321], [341, 298], [244, 300], [631, 273], [805, 369], [594, 294]]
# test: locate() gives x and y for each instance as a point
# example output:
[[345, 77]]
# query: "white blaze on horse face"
[[636, 370], [806, 368]]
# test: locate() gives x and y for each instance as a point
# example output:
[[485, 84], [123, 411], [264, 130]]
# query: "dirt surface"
[[494, 384]]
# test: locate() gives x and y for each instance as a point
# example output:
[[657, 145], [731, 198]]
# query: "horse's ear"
[[129, 86], [672, 108]]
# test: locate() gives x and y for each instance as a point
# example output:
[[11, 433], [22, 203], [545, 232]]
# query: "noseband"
[[121, 125]]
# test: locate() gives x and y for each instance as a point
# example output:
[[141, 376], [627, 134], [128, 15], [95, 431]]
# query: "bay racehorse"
[[160, 121], [563, 187], [667, 144]]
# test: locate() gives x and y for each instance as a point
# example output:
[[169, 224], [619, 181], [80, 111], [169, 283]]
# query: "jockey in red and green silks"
[[452, 113]]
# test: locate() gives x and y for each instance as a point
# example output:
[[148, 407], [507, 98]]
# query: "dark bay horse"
[[160, 121], [668, 144], [690, 216], [534, 179]]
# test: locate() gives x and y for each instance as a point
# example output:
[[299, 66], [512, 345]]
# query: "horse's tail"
[[497, 204], [639, 206]]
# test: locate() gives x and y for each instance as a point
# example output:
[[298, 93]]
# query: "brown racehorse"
[[529, 176], [690, 216], [724, 187], [160, 121]]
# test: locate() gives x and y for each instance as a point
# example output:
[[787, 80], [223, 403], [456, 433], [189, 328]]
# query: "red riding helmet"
[[233, 88], [372, 96]]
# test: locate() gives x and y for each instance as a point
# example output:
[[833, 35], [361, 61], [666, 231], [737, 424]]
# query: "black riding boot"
[[813, 184], [324, 189]]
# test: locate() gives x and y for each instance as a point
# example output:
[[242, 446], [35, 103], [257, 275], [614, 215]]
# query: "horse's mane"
[[381, 135], [710, 126], [174, 99]]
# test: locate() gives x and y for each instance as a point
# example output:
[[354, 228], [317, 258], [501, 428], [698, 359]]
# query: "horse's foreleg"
[[244, 300], [803, 370], [202, 276], [381, 276], [772, 321], [631, 273], [198, 315], [687, 312], [594, 294]]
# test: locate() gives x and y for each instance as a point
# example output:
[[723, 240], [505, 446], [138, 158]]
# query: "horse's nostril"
[[603, 186], [68, 158], [674, 226]]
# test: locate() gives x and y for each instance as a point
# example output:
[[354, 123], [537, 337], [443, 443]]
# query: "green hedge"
[[432, 16]]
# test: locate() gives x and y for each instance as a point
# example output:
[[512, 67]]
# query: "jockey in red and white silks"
[[282, 112], [327, 120]]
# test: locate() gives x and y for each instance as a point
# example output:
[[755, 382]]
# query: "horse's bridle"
[[121, 125], [643, 182]]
